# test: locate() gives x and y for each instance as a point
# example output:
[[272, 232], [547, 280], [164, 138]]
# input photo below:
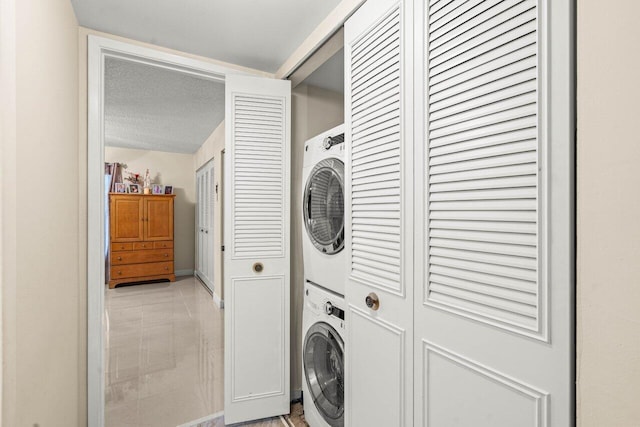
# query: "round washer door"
[[324, 206], [324, 371]]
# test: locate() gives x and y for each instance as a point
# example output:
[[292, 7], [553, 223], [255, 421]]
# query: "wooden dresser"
[[141, 238]]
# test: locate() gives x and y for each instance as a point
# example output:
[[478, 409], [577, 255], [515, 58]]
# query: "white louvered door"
[[205, 221], [493, 253], [257, 253], [378, 215]]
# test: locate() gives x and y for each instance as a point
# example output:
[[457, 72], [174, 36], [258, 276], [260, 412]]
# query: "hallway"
[[164, 354]]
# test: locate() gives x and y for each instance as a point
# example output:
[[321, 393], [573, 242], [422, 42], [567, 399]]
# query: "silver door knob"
[[372, 301]]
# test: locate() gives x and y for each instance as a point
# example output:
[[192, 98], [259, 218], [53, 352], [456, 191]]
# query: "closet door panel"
[[257, 258], [378, 215], [493, 294]]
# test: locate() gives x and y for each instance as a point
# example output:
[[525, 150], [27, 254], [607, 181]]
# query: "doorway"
[[99, 50]]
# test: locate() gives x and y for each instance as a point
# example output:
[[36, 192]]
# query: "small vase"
[[147, 190]]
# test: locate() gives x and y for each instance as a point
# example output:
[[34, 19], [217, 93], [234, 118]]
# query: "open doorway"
[[156, 360], [163, 333]]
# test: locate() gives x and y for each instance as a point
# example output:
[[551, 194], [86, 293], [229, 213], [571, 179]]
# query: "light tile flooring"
[[164, 354]]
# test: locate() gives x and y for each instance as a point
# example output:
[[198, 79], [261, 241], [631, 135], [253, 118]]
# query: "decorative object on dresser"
[[141, 238]]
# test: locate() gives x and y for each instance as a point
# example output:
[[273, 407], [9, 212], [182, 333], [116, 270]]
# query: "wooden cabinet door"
[[126, 218], [158, 218]]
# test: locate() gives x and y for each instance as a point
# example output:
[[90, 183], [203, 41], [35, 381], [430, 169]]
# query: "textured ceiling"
[[256, 34], [329, 75], [150, 108]]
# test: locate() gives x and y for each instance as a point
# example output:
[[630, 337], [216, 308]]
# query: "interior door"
[[204, 232], [494, 228], [199, 223], [257, 222], [378, 215]]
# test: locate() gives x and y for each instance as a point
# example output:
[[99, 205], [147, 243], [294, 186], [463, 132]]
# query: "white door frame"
[[100, 48]]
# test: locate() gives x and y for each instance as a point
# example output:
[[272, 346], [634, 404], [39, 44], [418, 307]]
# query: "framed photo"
[[168, 189], [134, 189], [121, 187], [157, 189]]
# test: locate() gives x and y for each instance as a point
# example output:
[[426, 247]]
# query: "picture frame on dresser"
[[168, 189], [120, 187], [157, 189]]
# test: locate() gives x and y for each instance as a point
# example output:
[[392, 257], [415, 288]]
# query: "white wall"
[[314, 111], [212, 149], [42, 286], [608, 209], [168, 169]]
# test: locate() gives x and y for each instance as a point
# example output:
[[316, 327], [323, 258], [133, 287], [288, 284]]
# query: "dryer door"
[[324, 206], [324, 371]]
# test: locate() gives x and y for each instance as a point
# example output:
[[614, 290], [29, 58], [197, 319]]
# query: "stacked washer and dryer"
[[325, 269]]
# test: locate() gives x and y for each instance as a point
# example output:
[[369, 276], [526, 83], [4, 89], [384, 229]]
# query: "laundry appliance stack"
[[325, 270]]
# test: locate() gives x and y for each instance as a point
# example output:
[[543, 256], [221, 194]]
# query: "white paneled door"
[[494, 221], [459, 213], [378, 217], [205, 224], [257, 222]]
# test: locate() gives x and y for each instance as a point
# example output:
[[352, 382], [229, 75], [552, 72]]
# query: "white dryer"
[[323, 210], [323, 357]]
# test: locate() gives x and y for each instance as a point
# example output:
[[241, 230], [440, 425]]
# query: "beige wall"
[[212, 149], [44, 360], [608, 208], [168, 169], [314, 111]]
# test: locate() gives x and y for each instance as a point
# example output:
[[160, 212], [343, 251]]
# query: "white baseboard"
[[180, 273], [203, 420], [218, 301]]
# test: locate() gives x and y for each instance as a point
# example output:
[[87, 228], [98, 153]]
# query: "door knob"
[[372, 301], [258, 267]]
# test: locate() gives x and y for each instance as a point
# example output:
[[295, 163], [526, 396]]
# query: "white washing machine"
[[323, 210], [323, 357]]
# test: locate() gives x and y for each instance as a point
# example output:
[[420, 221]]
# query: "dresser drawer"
[[115, 247], [137, 257], [140, 246], [139, 270], [165, 244]]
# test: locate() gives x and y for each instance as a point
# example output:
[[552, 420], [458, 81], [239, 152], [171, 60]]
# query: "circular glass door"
[[324, 371], [324, 206]]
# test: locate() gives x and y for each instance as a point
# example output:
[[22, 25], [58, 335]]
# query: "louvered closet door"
[[378, 215], [493, 294], [204, 231], [256, 272]]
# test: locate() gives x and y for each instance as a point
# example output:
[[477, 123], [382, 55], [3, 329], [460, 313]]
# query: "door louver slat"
[[376, 156], [483, 149], [258, 211]]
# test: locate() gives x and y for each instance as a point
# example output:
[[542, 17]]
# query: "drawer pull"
[[166, 268], [119, 258], [166, 255], [120, 272]]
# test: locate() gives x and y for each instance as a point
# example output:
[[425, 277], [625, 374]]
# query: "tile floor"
[[164, 354]]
